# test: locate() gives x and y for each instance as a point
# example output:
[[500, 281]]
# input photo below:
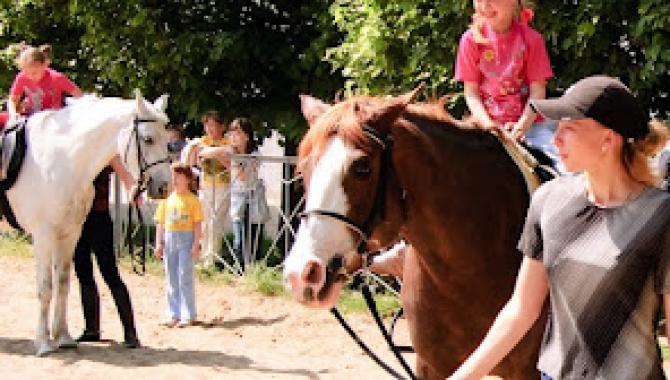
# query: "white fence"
[[278, 231]]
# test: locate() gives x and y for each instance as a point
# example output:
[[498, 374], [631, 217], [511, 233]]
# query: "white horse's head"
[[143, 145]]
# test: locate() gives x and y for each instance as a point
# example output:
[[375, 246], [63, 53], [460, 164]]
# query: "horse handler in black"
[[97, 236]]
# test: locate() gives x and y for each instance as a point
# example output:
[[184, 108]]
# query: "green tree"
[[389, 46], [249, 58]]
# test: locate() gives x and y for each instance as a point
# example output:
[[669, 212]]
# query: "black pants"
[[97, 236]]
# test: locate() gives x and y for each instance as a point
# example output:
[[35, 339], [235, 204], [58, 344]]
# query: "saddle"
[[12, 153], [534, 164]]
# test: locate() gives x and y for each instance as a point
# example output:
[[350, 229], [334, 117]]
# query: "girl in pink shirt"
[[38, 87], [503, 63]]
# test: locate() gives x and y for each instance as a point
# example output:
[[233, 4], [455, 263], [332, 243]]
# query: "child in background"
[[38, 87], [178, 220], [504, 64], [247, 221]]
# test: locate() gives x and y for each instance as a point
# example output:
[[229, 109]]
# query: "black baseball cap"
[[603, 99]]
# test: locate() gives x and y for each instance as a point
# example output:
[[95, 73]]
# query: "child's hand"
[[516, 130], [195, 251], [158, 252], [487, 124]]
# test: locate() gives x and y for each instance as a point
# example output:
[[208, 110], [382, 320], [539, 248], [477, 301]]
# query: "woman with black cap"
[[597, 242]]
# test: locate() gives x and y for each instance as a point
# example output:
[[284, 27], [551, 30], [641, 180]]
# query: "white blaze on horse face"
[[319, 238]]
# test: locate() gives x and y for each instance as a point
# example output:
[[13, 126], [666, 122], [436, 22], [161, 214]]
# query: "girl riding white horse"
[[54, 190]]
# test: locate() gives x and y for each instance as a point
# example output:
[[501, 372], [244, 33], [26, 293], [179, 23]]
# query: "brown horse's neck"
[[465, 203], [459, 184]]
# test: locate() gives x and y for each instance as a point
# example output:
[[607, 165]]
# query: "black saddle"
[[13, 146], [545, 170]]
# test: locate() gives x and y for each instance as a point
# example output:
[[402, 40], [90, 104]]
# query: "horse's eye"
[[362, 168], [148, 140]]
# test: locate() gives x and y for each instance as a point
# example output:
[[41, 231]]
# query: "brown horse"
[[449, 189]]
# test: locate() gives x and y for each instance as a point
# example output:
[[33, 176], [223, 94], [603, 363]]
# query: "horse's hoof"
[[44, 349], [67, 342]]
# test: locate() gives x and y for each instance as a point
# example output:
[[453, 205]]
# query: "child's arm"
[[195, 250], [538, 90], [474, 102], [159, 241]]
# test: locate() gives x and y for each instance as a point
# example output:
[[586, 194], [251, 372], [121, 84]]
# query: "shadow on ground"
[[115, 355]]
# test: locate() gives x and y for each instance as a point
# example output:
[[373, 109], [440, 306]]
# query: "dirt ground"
[[244, 336]]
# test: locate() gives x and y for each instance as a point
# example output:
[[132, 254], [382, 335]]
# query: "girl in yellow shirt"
[[178, 219]]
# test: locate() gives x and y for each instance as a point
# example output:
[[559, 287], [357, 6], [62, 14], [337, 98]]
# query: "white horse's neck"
[[83, 137]]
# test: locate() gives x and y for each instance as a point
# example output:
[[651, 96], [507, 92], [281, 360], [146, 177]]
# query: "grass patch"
[[15, 244], [264, 280], [353, 302]]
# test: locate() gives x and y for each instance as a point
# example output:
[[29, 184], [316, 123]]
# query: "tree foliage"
[[248, 58], [389, 46], [253, 57]]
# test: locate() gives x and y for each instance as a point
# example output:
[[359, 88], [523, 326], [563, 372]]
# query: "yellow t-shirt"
[[179, 212], [211, 168]]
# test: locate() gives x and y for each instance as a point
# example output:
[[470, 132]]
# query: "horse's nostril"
[[313, 274]]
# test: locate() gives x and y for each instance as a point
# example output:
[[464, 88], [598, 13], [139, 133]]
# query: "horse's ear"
[[312, 108], [141, 103], [381, 114], [162, 102]]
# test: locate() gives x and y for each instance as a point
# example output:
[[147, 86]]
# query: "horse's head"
[[343, 160], [143, 146]]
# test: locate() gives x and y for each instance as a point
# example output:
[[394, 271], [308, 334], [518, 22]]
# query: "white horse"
[[54, 191]]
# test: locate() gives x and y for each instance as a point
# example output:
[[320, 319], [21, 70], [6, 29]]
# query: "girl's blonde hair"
[[478, 24], [637, 155], [30, 54]]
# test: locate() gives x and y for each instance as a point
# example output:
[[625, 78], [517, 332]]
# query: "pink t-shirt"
[[45, 94], [4, 116], [504, 67]]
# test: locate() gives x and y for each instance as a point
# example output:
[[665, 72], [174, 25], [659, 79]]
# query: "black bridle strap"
[[141, 187], [364, 346], [364, 231], [397, 350], [342, 218]]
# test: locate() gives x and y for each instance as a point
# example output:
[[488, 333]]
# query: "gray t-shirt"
[[607, 268]]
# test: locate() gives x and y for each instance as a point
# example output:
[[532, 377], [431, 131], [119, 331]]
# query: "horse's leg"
[[42, 251], [62, 258]]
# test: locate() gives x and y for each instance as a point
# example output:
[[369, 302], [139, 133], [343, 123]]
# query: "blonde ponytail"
[[637, 154]]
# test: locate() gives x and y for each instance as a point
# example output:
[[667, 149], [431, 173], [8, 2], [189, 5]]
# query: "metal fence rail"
[[278, 232]]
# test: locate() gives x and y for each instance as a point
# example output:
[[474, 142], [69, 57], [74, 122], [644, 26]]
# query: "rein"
[[364, 231], [139, 262]]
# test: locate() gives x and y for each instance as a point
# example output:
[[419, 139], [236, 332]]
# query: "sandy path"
[[246, 336]]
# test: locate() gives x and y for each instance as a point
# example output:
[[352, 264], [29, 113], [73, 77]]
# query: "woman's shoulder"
[[657, 196], [566, 185]]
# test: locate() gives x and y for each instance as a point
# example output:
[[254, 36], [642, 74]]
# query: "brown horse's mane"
[[341, 120]]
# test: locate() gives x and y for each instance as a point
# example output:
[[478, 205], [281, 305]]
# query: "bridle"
[[144, 167], [336, 266], [364, 230], [378, 210]]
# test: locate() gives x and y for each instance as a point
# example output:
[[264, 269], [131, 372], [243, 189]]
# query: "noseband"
[[364, 230]]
